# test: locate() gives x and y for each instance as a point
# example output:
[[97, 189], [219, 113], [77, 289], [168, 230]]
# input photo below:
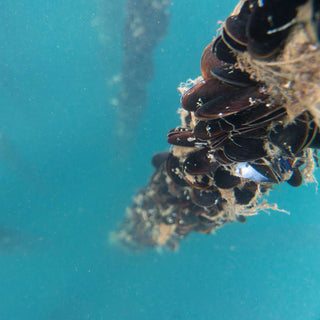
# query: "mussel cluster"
[[246, 125]]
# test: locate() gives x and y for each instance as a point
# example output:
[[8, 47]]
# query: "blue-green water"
[[63, 188]]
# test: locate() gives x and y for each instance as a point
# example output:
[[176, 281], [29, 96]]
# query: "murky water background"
[[63, 187]]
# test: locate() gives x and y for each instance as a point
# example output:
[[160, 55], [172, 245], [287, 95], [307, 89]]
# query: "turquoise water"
[[63, 188]]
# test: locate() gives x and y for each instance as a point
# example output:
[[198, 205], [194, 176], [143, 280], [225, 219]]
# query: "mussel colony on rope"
[[250, 122]]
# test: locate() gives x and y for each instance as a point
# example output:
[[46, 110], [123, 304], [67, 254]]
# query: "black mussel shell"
[[174, 170], [218, 141], [235, 26], [232, 76], [210, 131], [226, 105], [204, 198], [234, 45], [224, 179], [296, 178], [253, 117], [246, 193], [268, 27], [220, 157], [267, 171], [203, 92], [208, 61], [250, 132], [244, 149], [293, 137], [213, 129], [190, 99], [159, 158], [267, 50], [260, 114], [198, 163], [223, 52]]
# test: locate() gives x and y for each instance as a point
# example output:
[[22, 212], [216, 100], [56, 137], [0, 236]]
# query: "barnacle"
[[250, 122]]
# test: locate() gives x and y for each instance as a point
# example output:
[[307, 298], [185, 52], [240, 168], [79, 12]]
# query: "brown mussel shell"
[[226, 105], [232, 76], [204, 92], [225, 180], [208, 61], [183, 137]]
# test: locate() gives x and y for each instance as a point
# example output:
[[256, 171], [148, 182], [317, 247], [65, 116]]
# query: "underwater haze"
[[64, 186]]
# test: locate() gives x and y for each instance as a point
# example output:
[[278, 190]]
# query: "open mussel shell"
[[198, 163], [266, 171], [205, 198], [226, 105], [225, 180], [222, 52], [247, 171], [203, 92], [232, 76], [208, 61], [245, 194]]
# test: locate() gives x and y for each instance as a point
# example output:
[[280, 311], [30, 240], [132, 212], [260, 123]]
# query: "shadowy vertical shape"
[[146, 24]]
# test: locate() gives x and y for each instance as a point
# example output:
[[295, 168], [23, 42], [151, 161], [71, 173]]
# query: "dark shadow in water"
[[146, 24]]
